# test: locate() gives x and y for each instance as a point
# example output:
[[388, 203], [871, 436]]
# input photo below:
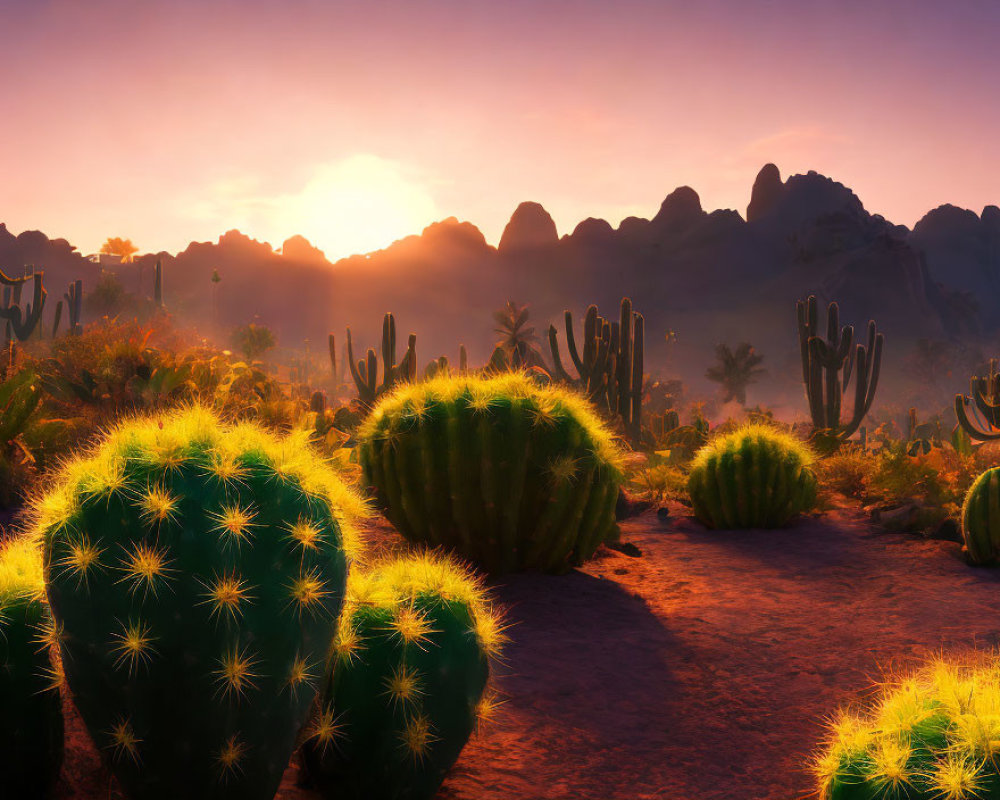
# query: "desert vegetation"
[[223, 563]]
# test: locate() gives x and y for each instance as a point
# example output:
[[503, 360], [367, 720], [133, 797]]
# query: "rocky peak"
[[530, 227], [765, 193]]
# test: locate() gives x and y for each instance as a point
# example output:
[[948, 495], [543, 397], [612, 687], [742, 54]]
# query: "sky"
[[358, 123]]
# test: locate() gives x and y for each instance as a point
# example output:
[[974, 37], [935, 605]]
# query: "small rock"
[[663, 514], [626, 548], [948, 531]]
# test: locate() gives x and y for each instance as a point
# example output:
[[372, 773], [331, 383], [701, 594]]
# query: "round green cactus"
[[31, 721], [407, 682], [509, 474], [929, 736], [754, 477], [981, 519], [196, 572]]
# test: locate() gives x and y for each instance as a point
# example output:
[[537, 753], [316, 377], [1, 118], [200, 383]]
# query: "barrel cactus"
[[930, 736], [31, 722], [509, 474], [408, 681], [981, 519], [196, 571], [754, 477]]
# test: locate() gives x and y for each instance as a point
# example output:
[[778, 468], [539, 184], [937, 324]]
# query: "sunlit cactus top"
[[21, 578], [931, 735]]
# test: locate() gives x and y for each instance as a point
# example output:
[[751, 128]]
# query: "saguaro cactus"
[[195, 572], [984, 399], [21, 322], [610, 370], [74, 304], [158, 284], [365, 371], [823, 361]]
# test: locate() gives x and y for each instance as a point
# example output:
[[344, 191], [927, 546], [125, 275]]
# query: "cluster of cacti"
[[407, 683], [21, 322], [754, 477], [823, 361], [610, 369], [929, 736], [74, 302], [984, 393], [31, 722], [441, 365], [365, 371], [196, 571], [509, 474], [19, 397], [981, 519], [661, 425]]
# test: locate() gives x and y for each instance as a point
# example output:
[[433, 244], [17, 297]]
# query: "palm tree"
[[116, 246], [518, 340], [735, 370]]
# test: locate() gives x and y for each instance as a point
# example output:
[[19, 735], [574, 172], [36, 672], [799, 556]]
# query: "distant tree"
[[116, 246], [107, 298], [518, 339], [252, 340], [735, 370]]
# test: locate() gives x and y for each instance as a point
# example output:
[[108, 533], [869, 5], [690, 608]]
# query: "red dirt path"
[[701, 669]]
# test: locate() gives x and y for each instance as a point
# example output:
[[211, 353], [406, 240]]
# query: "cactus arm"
[[638, 342], [571, 345], [622, 402], [58, 319], [331, 341], [814, 383], [557, 366], [976, 433], [355, 374]]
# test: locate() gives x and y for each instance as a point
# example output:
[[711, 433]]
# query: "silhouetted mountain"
[[711, 277], [57, 258]]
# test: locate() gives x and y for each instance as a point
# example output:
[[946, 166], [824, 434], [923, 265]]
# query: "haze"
[[356, 124]]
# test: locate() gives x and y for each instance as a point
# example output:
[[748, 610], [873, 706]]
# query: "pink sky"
[[358, 123]]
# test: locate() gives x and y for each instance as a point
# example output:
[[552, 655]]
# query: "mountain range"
[[711, 277]]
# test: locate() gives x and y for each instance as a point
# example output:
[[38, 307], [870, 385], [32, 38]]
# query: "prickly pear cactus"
[[196, 572], [408, 681], [981, 519], [509, 474], [929, 736], [31, 722], [754, 477]]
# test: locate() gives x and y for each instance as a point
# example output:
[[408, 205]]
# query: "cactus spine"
[[610, 370], [828, 358], [21, 322], [508, 474], [755, 477], [365, 372], [196, 572], [31, 724], [407, 683]]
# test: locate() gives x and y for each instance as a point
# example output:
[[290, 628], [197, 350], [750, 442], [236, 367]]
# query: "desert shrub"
[[756, 476], [929, 736], [31, 722], [195, 570], [253, 340], [407, 683], [658, 480], [509, 474], [848, 471]]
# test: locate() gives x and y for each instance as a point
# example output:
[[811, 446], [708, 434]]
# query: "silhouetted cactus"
[[365, 372], [195, 572], [407, 681], [158, 284], [830, 357], [754, 477], [21, 322], [31, 721], [610, 369], [74, 304], [984, 398], [507, 473]]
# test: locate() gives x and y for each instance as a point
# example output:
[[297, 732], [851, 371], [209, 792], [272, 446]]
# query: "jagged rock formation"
[[530, 227]]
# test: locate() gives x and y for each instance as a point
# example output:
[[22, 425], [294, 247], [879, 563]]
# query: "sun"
[[357, 205]]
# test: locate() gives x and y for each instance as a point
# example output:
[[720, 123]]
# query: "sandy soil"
[[701, 669]]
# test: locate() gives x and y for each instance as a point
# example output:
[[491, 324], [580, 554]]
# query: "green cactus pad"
[[508, 474], [407, 684], [981, 519], [929, 736], [196, 572], [31, 722], [754, 477]]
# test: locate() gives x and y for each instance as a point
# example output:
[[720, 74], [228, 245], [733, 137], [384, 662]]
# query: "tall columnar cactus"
[[754, 477], [927, 736], [984, 399], [981, 519], [365, 371], [158, 284], [74, 304], [823, 361], [610, 370], [407, 683], [195, 572], [509, 474], [31, 722], [21, 322]]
